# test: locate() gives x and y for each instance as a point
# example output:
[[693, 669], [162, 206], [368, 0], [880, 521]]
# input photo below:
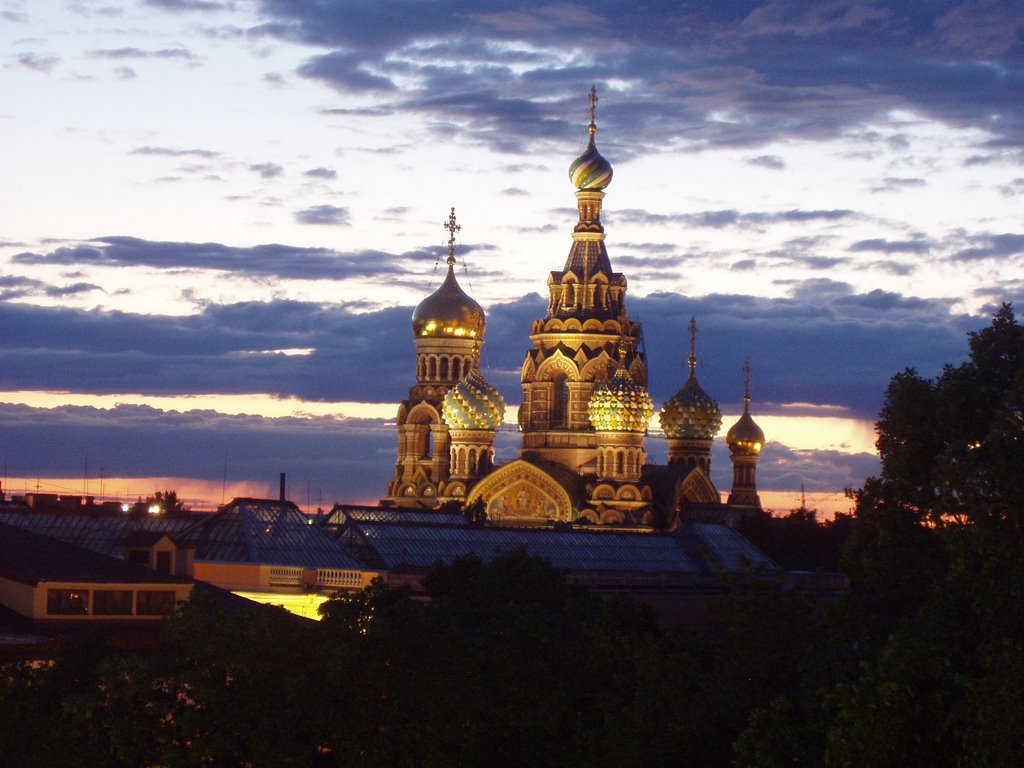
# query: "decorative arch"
[[697, 488], [604, 492], [557, 364], [601, 367], [611, 517], [423, 413], [592, 325], [521, 491], [572, 325]]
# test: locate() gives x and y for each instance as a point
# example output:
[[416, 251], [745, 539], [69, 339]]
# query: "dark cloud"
[[206, 154], [38, 62], [1015, 187], [261, 260], [992, 246], [323, 214], [882, 245], [321, 173], [725, 74], [515, 192], [267, 170], [339, 460], [125, 73]]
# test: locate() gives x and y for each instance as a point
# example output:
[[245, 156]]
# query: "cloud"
[[889, 246], [205, 154], [321, 173], [726, 74], [261, 260], [992, 246], [773, 162], [38, 62], [323, 214], [186, 5], [267, 170], [896, 184], [171, 54], [729, 218]]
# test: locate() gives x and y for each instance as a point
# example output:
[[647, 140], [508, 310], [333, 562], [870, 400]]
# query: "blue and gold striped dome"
[[620, 405], [590, 170], [473, 404], [691, 413]]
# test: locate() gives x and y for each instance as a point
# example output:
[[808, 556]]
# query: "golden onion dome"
[[620, 405], [691, 413], [473, 404], [745, 438], [449, 311]]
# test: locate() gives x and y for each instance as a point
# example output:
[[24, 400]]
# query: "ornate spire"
[[747, 371], [693, 345], [592, 128], [452, 226]]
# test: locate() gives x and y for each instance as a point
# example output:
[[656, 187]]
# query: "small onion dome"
[[745, 438], [691, 413], [448, 311], [473, 404], [590, 170], [619, 405]]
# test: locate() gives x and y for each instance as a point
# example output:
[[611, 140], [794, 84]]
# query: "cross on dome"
[[452, 226]]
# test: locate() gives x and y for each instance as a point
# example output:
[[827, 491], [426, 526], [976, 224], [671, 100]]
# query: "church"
[[585, 404]]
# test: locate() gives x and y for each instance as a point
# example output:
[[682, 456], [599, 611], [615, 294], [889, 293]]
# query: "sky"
[[217, 217]]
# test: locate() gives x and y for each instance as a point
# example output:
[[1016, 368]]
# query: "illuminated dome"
[[745, 437], [590, 170], [691, 413], [449, 311], [619, 405], [473, 404]]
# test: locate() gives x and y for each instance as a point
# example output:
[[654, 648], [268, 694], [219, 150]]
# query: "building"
[[585, 405]]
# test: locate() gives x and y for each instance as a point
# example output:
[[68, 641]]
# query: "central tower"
[[585, 336]]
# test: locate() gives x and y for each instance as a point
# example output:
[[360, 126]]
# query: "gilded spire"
[[747, 371], [452, 226], [693, 345], [592, 128]]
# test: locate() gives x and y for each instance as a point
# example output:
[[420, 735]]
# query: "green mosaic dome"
[[691, 413], [473, 404], [619, 405]]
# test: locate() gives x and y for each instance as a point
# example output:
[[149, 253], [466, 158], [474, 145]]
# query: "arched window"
[[444, 368], [456, 368], [560, 405], [619, 462]]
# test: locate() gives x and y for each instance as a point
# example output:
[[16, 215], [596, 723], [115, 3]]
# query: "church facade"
[[585, 405]]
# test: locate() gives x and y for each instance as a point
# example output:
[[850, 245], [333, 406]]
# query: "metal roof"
[[393, 546], [343, 514], [105, 535], [268, 532]]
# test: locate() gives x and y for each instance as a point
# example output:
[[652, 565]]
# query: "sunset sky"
[[217, 217]]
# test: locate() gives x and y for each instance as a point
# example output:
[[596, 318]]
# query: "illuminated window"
[[67, 602], [560, 409], [154, 602], [112, 602]]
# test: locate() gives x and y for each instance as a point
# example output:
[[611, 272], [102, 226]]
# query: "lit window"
[[67, 602]]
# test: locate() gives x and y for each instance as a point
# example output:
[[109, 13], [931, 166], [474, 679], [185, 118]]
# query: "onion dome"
[[745, 438], [473, 404], [620, 405], [691, 413], [449, 311], [590, 171]]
